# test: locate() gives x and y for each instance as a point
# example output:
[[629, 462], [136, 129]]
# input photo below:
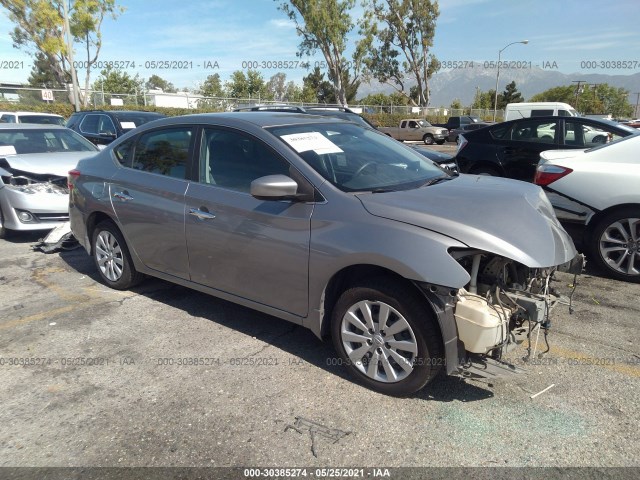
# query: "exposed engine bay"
[[33, 183], [506, 304]]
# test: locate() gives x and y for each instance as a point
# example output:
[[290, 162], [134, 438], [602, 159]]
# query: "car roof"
[[32, 113], [30, 126], [261, 119], [135, 112]]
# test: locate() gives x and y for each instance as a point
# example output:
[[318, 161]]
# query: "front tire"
[[111, 257], [441, 142], [387, 337], [614, 244], [428, 139], [3, 231]]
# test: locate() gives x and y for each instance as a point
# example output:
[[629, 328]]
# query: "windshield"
[[354, 158], [45, 119], [423, 123], [14, 142]]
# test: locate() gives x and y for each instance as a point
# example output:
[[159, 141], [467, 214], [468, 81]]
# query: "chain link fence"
[[186, 100]]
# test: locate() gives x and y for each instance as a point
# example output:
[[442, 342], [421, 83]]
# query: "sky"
[[196, 38]]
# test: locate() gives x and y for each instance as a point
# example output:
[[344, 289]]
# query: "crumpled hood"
[[506, 217], [52, 163]]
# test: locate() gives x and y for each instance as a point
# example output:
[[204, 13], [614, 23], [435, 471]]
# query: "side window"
[[595, 135], [413, 124], [541, 113], [233, 160], [106, 125], [403, 124], [563, 113], [500, 132], [124, 153], [89, 124], [539, 131], [8, 118], [165, 151]]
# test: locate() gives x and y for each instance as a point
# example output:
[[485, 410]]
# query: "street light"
[[495, 101]]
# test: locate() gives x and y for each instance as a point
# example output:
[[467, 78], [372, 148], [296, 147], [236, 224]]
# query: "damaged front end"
[[32, 201], [504, 305]]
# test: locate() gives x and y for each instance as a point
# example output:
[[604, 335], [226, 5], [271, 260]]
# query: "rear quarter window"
[[499, 131]]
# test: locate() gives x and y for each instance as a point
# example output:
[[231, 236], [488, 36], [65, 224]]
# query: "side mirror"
[[274, 187]]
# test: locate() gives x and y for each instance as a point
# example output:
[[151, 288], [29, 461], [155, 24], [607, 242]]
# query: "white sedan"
[[599, 190]]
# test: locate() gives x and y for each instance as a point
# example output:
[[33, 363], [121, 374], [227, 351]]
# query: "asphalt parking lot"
[[165, 376]]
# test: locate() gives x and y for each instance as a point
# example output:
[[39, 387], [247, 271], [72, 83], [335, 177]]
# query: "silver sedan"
[[34, 162]]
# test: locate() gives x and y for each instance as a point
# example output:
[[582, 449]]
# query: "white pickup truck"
[[417, 129]]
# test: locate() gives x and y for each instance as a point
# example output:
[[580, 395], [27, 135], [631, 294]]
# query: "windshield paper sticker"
[[7, 150], [303, 142], [127, 125]]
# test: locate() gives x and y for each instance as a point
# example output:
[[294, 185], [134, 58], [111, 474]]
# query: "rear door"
[[98, 128], [520, 150], [148, 196], [254, 249]]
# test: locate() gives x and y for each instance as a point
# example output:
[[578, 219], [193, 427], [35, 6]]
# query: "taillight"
[[546, 174], [73, 175], [462, 142]]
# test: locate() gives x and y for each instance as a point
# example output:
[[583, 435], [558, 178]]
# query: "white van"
[[538, 109]]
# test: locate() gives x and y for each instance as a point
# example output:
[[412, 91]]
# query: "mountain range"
[[461, 83]]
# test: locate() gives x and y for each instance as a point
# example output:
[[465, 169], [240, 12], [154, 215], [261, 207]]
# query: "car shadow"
[[296, 340]]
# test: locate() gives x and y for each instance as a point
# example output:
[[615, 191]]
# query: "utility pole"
[[578, 90], [637, 94]]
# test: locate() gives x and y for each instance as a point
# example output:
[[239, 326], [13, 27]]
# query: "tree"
[[156, 82], [483, 100], [113, 81], [510, 95], [246, 86], [212, 86], [456, 104], [86, 20], [324, 25], [316, 89], [403, 31], [276, 87], [40, 24], [42, 76], [600, 98]]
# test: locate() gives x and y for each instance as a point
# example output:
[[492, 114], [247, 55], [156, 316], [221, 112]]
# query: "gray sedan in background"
[[331, 226], [34, 161]]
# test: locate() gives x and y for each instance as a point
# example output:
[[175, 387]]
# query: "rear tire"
[[428, 139], [111, 257], [3, 231], [387, 337], [614, 244]]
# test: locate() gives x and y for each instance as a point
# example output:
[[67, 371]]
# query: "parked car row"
[[410, 267]]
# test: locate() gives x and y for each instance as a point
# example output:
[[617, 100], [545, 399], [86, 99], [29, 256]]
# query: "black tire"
[[630, 251], [128, 276], [441, 142], [426, 338], [3, 231], [485, 170], [428, 139]]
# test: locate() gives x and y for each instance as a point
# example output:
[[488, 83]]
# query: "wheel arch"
[[351, 276], [599, 215], [93, 220]]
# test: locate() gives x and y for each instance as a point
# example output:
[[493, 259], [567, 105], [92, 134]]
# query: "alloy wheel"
[[620, 246], [109, 256], [379, 341]]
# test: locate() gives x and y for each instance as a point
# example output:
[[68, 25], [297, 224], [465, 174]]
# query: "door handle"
[[201, 215], [125, 197]]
